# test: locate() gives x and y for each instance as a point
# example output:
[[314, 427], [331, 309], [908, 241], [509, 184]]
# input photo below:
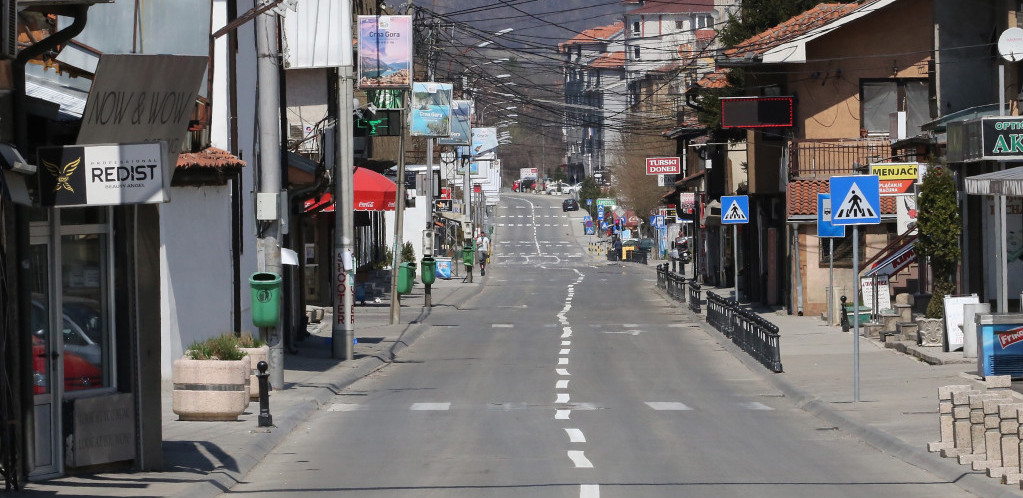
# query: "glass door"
[[45, 456]]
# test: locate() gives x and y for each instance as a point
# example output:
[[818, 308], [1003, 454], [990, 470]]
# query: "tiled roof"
[[673, 7], [210, 157], [799, 25], [609, 60], [601, 33], [705, 34], [717, 79], [801, 198]]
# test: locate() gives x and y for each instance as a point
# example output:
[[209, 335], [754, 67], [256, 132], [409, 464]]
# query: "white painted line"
[[579, 459], [430, 406], [501, 325], [625, 332], [565, 351], [562, 399], [562, 361], [562, 371], [589, 491], [667, 405], [561, 414], [566, 332], [755, 405], [678, 325], [561, 384], [628, 325], [575, 436], [566, 343], [346, 407]]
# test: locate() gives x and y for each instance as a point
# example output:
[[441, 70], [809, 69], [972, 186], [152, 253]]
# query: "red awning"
[[373, 192]]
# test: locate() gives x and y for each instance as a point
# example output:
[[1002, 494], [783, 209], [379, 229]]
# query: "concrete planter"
[[931, 331], [255, 356], [211, 389]]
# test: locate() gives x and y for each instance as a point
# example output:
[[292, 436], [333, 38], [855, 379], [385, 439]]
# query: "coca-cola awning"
[[373, 192]]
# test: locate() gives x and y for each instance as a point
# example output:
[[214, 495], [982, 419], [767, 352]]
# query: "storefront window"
[[85, 327]]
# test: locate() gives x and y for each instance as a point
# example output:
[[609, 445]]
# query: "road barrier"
[[673, 283], [694, 296], [751, 332]]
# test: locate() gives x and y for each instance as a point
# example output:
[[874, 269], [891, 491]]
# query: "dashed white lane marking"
[[562, 399], [589, 491], [343, 407], [630, 325], [755, 405], [562, 371], [566, 343], [562, 361], [561, 384], [565, 351], [566, 332], [430, 406], [501, 325], [667, 405], [579, 459], [625, 332], [575, 436], [561, 414]]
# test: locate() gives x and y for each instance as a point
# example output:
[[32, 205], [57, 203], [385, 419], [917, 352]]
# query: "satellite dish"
[[1010, 44]]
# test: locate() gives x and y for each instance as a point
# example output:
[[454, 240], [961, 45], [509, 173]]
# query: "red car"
[[515, 186], [78, 373]]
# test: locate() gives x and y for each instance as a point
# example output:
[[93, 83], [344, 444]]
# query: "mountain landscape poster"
[[385, 51]]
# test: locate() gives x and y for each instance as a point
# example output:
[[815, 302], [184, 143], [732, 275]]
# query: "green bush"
[[940, 226], [247, 340], [408, 253], [222, 347]]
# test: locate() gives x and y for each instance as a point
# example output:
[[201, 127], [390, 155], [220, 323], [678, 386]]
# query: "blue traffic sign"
[[657, 221], [856, 200], [587, 218], [824, 227], [589, 202], [600, 212], [734, 209]]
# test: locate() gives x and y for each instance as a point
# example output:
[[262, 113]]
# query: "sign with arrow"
[[734, 209], [860, 200]]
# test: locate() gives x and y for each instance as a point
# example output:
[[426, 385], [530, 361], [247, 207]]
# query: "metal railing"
[[694, 296], [673, 283], [819, 159], [756, 336]]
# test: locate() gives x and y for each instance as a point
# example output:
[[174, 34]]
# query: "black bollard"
[[845, 316], [265, 420]]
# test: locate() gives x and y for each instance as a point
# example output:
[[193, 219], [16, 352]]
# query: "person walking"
[[616, 245], [483, 251]]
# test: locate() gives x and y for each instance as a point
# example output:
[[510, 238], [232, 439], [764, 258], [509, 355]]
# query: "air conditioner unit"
[[897, 125], [9, 43]]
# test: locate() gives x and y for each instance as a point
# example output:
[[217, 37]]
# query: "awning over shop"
[[373, 192], [1007, 182]]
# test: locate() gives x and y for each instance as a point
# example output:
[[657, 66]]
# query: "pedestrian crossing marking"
[[735, 213], [854, 206], [430, 406], [667, 405]]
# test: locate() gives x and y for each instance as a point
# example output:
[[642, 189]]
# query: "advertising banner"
[[895, 178], [385, 51], [430, 110], [103, 175], [484, 143], [461, 130], [663, 166]]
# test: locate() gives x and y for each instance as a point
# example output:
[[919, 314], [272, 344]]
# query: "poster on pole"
[[430, 110], [461, 131], [484, 143], [884, 294], [385, 51]]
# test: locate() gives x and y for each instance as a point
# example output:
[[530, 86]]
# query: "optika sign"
[[663, 166]]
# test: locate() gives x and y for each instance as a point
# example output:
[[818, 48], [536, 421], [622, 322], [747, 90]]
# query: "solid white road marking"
[[344, 407], [589, 491], [430, 406], [565, 351], [501, 325], [562, 371], [562, 399], [561, 414], [562, 361], [625, 332], [755, 405], [667, 405], [575, 436], [561, 384], [579, 459]]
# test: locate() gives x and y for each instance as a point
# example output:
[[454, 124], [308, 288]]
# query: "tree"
[[940, 226]]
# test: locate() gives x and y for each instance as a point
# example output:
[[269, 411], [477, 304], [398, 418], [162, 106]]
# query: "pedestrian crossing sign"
[[855, 200], [734, 209]]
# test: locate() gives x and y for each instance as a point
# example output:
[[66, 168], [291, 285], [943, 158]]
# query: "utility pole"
[[399, 216], [342, 332], [428, 298], [269, 196]]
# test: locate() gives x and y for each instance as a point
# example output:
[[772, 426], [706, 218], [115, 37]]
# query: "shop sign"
[[895, 178], [103, 175], [986, 139], [663, 166]]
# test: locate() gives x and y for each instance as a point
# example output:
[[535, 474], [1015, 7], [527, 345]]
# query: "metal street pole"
[[428, 299], [268, 247], [856, 313], [735, 260], [831, 280], [399, 216], [342, 332]]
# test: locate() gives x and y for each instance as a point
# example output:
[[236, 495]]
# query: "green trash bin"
[[429, 270], [266, 298], [405, 277], [467, 258]]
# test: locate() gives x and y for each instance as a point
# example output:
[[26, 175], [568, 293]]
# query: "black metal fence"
[[755, 335], [694, 296], [673, 283]]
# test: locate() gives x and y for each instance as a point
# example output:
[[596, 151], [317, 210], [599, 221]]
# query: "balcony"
[[819, 159]]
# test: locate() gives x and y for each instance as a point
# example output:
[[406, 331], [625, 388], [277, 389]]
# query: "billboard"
[[461, 131], [484, 143], [430, 110], [385, 51]]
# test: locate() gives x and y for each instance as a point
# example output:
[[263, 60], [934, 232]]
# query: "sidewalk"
[[204, 459], [897, 412]]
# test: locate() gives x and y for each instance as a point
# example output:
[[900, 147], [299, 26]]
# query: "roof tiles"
[[609, 60], [799, 25], [210, 157], [598, 34], [801, 198]]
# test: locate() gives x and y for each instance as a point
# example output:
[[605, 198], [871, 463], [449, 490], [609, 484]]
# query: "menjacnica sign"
[[103, 175]]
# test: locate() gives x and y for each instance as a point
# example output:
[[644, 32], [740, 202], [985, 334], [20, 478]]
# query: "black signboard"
[[757, 112], [986, 139]]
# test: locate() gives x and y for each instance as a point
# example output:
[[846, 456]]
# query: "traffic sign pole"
[[735, 211], [856, 313], [735, 261]]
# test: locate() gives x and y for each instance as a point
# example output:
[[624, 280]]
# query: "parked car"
[[573, 188], [556, 188], [570, 204], [81, 328]]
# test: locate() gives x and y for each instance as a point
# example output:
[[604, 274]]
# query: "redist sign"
[[104, 175], [663, 166]]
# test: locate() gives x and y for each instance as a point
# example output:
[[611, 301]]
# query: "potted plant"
[[939, 225], [257, 350], [211, 380]]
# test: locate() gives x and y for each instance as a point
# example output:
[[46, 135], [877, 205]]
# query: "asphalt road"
[[564, 377]]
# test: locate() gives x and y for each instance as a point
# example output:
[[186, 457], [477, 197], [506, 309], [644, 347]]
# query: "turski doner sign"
[[663, 166], [103, 175]]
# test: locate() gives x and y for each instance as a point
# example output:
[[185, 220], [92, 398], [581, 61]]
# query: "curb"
[[975, 482]]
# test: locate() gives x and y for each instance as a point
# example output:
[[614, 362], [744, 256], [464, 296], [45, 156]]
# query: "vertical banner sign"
[[484, 143], [385, 51], [430, 110], [461, 132]]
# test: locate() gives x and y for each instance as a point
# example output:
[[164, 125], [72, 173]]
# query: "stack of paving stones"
[[981, 427]]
